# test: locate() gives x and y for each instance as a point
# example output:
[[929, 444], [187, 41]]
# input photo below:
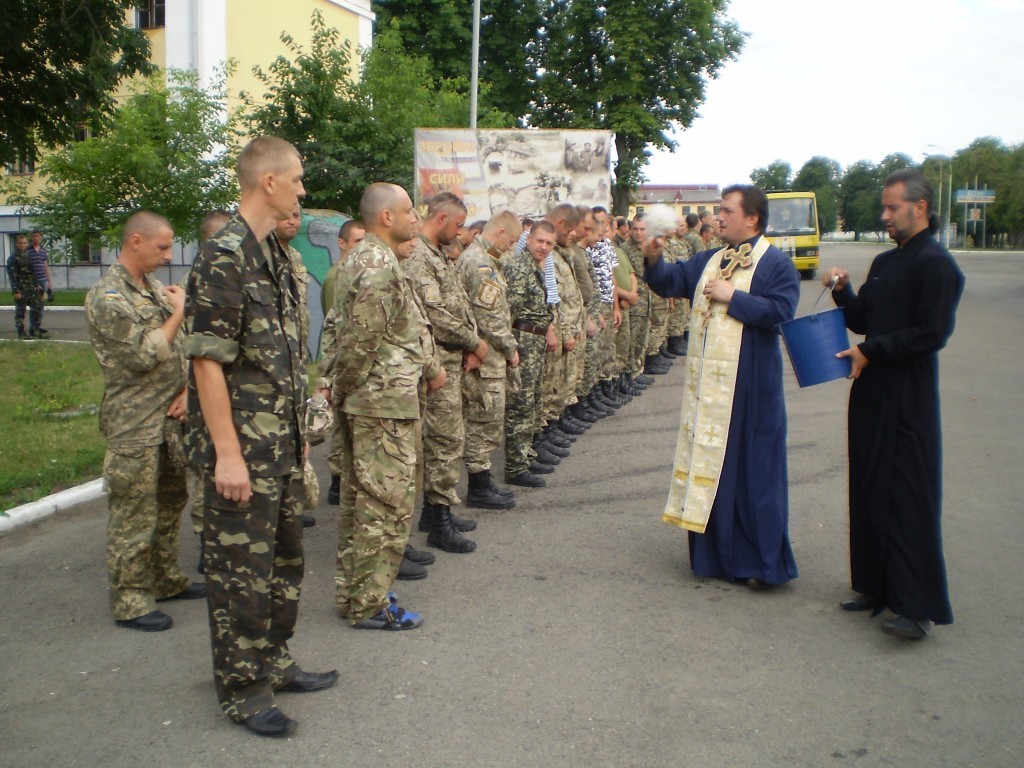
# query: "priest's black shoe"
[[910, 629], [861, 603], [154, 621], [526, 480], [194, 591], [270, 722], [306, 682]]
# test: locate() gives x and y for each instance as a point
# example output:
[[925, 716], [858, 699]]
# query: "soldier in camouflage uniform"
[[462, 352], [709, 218], [479, 267], [639, 313], [134, 325], [244, 418], [534, 329], [381, 358], [603, 257], [560, 367], [27, 292], [586, 279], [679, 247]]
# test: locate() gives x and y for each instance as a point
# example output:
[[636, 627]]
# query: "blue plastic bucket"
[[812, 343]]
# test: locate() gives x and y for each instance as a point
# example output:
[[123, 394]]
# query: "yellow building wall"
[[254, 30]]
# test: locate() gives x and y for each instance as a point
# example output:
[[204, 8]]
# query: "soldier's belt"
[[522, 325]]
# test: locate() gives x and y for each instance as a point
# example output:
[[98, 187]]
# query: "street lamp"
[[949, 189]]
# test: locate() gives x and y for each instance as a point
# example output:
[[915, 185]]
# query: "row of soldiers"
[[525, 336]]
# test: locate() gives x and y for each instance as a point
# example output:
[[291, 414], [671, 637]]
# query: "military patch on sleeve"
[[488, 295], [431, 292]]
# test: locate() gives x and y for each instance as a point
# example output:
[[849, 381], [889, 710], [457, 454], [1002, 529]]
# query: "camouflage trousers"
[[523, 411], [378, 488], [587, 373], [640, 326], [146, 496], [34, 303], [197, 503], [558, 389], [444, 436], [606, 344], [485, 422], [679, 318], [659, 324], [334, 451], [621, 342], [254, 567]]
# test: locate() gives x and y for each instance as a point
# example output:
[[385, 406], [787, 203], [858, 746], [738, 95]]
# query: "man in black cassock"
[[906, 310]]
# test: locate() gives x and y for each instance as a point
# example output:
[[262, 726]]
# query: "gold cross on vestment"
[[733, 259], [711, 433], [718, 374]]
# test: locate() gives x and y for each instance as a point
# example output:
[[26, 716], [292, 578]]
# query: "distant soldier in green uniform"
[[134, 325], [380, 361], [680, 247], [244, 416], [640, 312], [27, 292], [479, 266], [462, 352], [533, 324]]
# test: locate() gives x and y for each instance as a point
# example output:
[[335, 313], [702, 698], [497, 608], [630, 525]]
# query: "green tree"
[[638, 68], [351, 134], [59, 63], [860, 198], [167, 148], [776, 177], [821, 175]]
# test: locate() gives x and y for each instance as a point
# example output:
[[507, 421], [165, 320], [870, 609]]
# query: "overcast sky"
[[855, 81]]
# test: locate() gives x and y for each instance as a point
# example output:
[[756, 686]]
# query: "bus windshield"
[[791, 216]]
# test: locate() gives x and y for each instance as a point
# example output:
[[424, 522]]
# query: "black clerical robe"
[[906, 310]]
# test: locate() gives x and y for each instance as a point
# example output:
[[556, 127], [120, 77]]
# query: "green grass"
[[69, 298], [48, 401]]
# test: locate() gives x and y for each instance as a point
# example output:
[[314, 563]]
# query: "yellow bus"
[[793, 229]]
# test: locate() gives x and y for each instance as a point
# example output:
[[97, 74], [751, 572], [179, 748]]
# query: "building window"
[[639, 209], [87, 248], [150, 15], [82, 133], [21, 167]]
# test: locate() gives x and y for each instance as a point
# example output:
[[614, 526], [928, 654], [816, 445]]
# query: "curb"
[[50, 505]]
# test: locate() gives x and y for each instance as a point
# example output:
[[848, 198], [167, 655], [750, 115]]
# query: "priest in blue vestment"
[[740, 294]]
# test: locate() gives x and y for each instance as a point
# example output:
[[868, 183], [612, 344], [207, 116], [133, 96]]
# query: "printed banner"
[[526, 171]]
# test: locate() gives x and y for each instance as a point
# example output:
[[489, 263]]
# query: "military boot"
[[334, 492], [427, 520], [482, 496], [677, 345], [443, 534]]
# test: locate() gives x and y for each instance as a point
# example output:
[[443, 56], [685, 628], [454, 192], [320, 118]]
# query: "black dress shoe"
[[419, 555], [270, 722], [305, 682], [154, 621], [194, 591], [308, 521], [910, 629], [410, 571], [861, 603]]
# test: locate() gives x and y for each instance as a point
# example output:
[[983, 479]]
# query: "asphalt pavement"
[[576, 634]]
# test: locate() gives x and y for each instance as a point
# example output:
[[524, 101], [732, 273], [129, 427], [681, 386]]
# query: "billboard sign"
[[525, 171]]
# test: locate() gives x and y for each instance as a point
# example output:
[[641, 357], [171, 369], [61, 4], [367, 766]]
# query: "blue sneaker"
[[391, 617]]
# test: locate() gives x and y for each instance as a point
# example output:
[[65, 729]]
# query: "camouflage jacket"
[[636, 258], [142, 373], [380, 356], [21, 275], [571, 310], [242, 311], [527, 297], [487, 290], [604, 261], [302, 282], [677, 249], [695, 242], [443, 298]]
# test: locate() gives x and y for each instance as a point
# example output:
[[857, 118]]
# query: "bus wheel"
[[808, 274]]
